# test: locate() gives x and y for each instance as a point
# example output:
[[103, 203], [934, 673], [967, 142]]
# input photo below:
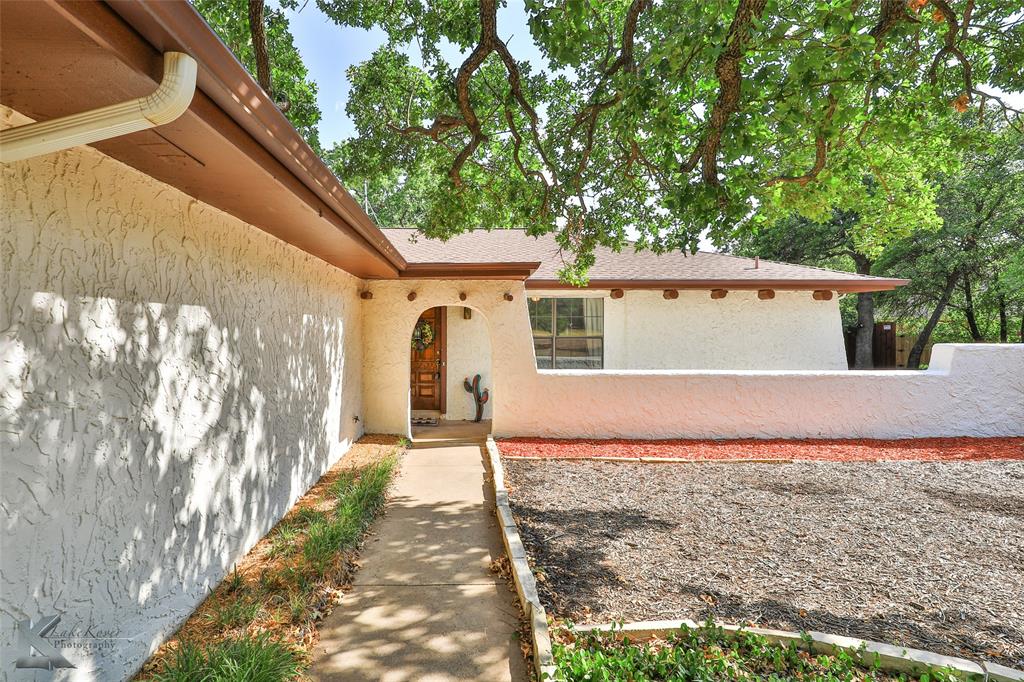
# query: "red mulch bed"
[[861, 450]]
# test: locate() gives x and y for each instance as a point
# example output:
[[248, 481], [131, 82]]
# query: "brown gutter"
[[510, 270], [841, 285], [176, 25]]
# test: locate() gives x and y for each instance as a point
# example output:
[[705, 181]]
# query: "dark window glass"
[[540, 316], [542, 347], [573, 352], [577, 325]]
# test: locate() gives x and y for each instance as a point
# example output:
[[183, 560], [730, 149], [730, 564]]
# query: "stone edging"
[[657, 460], [889, 657], [522, 576]]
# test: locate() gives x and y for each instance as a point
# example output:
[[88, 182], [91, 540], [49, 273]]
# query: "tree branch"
[[258, 33], [730, 77], [820, 151], [951, 47]]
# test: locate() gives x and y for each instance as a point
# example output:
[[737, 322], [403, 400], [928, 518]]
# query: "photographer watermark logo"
[[40, 653]]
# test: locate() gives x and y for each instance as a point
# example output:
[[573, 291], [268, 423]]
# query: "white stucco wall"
[[740, 331], [388, 319], [171, 380], [469, 353], [643, 330], [969, 390]]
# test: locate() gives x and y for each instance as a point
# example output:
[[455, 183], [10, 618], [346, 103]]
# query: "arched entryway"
[[450, 347]]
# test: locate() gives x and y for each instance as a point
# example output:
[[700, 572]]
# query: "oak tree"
[[669, 120]]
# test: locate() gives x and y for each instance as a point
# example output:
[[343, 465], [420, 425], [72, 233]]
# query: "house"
[[197, 320], [640, 311]]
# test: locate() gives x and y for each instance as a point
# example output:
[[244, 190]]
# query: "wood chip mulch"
[[862, 450], [920, 554]]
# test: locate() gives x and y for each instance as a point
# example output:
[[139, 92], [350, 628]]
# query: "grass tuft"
[[245, 659], [233, 613], [359, 500]]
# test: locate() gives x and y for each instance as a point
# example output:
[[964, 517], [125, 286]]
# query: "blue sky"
[[329, 49]]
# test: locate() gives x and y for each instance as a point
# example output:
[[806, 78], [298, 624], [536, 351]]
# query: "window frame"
[[554, 335]]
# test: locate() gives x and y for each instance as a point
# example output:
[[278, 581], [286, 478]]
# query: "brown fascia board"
[[478, 271], [176, 25], [840, 285], [230, 103]]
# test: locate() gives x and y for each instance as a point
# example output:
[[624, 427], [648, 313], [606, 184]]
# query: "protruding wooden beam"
[[366, 295], [462, 296], [618, 293], [766, 294], [508, 296], [822, 295], [670, 294], [718, 293], [411, 296]]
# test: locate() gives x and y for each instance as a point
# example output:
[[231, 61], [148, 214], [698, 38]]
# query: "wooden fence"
[[890, 346]]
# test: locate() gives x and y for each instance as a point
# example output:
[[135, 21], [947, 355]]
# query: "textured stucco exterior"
[[469, 353], [969, 390], [643, 330], [388, 319], [171, 381]]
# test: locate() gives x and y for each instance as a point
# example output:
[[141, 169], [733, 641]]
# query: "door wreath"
[[422, 336]]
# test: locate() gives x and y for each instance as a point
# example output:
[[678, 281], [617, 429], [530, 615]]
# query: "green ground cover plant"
[[709, 654]]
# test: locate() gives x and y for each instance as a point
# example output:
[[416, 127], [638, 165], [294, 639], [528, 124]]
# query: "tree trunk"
[[863, 355], [972, 321], [1022, 328], [258, 33], [914, 359], [863, 341], [1003, 330]]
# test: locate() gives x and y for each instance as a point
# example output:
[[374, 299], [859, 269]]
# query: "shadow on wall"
[[172, 381]]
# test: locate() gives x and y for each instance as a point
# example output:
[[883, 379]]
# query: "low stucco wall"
[[969, 390], [469, 353], [172, 380]]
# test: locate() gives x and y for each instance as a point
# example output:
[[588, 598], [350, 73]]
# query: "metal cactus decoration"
[[480, 398]]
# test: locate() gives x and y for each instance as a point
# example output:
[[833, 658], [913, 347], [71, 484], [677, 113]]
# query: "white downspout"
[[168, 102]]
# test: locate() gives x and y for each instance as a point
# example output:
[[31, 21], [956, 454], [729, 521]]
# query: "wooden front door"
[[428, 372]]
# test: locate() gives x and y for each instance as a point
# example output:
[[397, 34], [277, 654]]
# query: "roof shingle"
[[628, 266]]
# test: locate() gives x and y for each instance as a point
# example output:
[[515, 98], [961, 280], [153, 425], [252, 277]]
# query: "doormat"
[[424, 421]]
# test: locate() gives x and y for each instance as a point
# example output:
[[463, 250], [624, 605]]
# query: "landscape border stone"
[[658, 460], [889, 657], [522, 576]]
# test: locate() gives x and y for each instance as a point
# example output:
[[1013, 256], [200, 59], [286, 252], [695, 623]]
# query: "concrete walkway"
[[424, 605]]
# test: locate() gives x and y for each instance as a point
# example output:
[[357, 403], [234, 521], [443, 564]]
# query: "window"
[[568, 333]]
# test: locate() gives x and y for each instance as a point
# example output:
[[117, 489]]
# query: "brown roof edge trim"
[[841, 285], [176, 25], [457, 271]]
